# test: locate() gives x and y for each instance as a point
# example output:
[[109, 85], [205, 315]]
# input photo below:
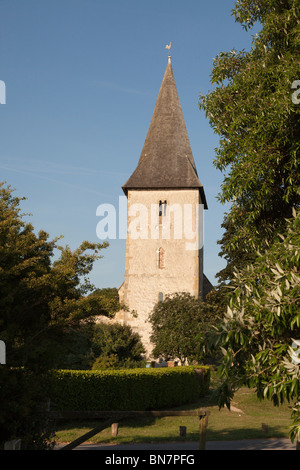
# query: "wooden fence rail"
[[114, 416]]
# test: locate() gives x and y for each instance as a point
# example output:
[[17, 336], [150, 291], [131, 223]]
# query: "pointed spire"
[[166, 160]]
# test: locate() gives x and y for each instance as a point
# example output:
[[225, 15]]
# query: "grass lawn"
[[244, 421]]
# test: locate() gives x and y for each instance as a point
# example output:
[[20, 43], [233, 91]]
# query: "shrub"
[[133, 389]]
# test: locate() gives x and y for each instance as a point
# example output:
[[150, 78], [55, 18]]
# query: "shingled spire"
[[166, 160]]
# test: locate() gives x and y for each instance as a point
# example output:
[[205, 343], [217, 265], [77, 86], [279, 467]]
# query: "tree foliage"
[[259, 335], [176, 323], [41, 300], [40, 297], [116, 345], [252, 110], [98, 345]]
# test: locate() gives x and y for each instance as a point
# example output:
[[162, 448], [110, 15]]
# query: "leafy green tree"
[[236, 255], [176, 323], [75, 350], [109, 299], [252, 110], [40, 300], [259, 336], [116, 345]]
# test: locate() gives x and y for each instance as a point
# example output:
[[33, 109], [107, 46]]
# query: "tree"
[[176, 323], [252, 110], [40, 300], [98, 345], [259, 336], [108, 297], [116, 345]]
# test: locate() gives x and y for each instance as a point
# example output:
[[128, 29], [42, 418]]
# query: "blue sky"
[[82, 78]]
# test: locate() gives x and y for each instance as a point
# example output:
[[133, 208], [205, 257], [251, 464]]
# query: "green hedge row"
[[132, 389]]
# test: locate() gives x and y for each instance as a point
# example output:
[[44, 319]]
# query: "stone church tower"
[[164, 249]]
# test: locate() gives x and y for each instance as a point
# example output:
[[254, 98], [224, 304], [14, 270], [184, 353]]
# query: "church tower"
[[164, 246]]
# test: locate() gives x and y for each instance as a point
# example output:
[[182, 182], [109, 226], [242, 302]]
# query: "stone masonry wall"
[[151, 272]]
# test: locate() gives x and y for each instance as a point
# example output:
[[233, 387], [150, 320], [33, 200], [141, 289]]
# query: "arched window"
[[161, 258]]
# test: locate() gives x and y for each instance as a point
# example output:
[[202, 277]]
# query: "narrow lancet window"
[[162, 210], [161, 258]]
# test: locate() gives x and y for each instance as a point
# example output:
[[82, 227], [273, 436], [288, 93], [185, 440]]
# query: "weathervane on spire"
[[168, 46]]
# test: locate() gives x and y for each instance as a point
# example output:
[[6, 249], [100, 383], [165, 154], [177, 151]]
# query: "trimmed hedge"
[[131, 389]]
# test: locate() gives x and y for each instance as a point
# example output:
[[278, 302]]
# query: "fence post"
[[114, 429], [203, 421]]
